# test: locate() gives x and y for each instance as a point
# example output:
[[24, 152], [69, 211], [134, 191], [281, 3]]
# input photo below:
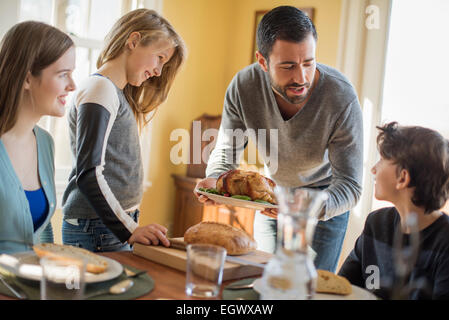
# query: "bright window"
[[87, 24], [415, 88]]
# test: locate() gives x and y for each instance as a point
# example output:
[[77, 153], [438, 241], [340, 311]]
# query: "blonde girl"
[[36, 64], [140, 59]]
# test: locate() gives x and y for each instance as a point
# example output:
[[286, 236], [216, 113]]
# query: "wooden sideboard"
[[189, 211]]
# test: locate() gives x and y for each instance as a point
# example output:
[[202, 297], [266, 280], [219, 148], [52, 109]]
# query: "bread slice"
[[329, 282], [234, 240], [95, 263]]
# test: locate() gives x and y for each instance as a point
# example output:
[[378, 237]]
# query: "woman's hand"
[[150, 234], [208, 183]]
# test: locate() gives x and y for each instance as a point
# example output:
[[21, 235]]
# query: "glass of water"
[[204, 270], [62, 279]]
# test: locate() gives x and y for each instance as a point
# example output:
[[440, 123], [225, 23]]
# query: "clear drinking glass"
[[204, 270], [62, 279]]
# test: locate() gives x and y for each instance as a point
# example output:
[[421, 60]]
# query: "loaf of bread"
[[234, 240], [95, 263], [329, 282]]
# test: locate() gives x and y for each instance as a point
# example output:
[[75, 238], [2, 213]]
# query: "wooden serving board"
[[177, 259]]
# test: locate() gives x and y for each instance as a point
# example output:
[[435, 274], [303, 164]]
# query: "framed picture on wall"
[[259, 15]]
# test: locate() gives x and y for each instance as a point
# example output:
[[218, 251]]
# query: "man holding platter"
[[316, 117]]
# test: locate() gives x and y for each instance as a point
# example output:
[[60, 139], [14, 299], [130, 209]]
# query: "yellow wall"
[[218, 34], [326, 20], [198, 89]]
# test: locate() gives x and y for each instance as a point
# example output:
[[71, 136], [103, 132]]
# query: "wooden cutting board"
[[177, 259]]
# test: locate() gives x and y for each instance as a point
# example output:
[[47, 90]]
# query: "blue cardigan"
[[16, 223]]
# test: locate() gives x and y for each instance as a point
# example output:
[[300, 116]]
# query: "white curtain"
[[362, 58]]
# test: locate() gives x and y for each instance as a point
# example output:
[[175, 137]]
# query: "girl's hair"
[[152, 27], [29, 46], [424, 153]]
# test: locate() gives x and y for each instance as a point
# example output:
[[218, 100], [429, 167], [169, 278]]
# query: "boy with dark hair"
[[413, 174]]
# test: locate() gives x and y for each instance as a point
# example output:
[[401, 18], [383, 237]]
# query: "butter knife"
[[14, 289], [181, 245], [177, 244], [234, 259]]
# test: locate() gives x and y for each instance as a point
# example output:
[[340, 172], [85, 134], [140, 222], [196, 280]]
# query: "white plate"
[[237, 202], [30, 269], [357, 293]]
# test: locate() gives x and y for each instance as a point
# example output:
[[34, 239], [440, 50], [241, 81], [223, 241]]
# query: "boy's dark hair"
[[283, 23], [424, 153]]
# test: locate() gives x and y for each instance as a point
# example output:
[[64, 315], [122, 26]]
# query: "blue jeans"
[[93, 235], [327, 239]]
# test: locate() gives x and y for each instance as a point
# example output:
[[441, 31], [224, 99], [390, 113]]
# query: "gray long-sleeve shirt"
[[322, 144], [107, 174]]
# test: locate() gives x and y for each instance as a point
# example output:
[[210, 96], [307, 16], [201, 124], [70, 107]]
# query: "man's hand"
[[151, 234], [272, 213], [208, 183]]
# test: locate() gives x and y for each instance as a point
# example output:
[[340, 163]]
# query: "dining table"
[[169, 283]]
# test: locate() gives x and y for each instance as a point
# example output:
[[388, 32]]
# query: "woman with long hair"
[[136, 68], [36, 65]]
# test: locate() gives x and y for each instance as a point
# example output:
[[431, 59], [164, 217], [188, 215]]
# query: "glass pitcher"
[[290, 274]]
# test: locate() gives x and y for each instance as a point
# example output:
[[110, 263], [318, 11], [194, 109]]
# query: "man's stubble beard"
[[283, 91]]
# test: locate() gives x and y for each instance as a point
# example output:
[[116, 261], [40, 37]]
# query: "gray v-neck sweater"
[[321, 145]]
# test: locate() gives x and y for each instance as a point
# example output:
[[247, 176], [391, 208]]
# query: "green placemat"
[[245, 294], [143, 284]]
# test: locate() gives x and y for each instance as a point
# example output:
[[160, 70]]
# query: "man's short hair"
[[424, 153], [283, 23]]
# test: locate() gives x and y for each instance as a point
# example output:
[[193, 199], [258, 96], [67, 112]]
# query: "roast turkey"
[[247, 183]]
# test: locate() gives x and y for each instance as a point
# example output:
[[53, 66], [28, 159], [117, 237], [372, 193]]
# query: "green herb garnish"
[[262, 201], [241, 197]]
